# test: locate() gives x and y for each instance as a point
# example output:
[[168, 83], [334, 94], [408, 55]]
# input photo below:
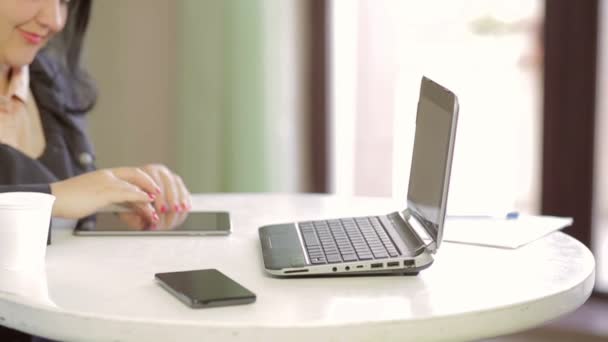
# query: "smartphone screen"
[[205, 288], [192, 223]]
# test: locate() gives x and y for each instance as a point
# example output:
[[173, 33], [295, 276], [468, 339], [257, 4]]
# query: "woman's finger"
[[167, 219], [160, 202], [180, 219], [147, 212], [138, 178], [170, 190], [125, 192], [184, 195], [133, 220]]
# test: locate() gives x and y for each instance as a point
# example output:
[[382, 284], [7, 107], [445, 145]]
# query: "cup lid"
[[25, 200]]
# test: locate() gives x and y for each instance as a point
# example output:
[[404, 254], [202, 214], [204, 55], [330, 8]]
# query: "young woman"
[[44, 98]]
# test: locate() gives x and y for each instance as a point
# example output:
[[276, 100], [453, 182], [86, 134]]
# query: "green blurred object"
[[220, 119]]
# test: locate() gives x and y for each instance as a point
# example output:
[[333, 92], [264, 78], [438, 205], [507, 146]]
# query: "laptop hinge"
[[418, 229]]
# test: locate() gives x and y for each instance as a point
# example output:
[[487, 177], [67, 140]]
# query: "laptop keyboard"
[[346, 240]]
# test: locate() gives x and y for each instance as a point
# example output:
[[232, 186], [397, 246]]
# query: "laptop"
[[399, 242]]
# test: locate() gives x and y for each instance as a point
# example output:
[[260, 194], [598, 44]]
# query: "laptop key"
[[361, 247], [316, 256], [350, 257], [346, 249], [377, 250], [391, 249], [314, 249], [310, 239], [331, 251], [307, 230], [318, 261], [393, 253], [365, 256], [383, 236], [387, 243], [333, 258], [315, 252], [381, 255], [326, 243], [363, 252]]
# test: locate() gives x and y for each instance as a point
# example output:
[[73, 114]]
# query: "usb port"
[[392, 264], [409, 263], [377, 265]]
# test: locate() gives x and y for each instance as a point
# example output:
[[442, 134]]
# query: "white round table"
[[103, 288]]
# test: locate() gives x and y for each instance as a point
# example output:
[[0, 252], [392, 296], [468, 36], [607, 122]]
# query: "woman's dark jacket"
[[68, 149]]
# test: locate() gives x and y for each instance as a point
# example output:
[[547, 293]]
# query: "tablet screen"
[[192, 223]]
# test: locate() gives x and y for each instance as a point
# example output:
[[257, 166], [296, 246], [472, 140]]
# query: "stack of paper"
[[501, 232]]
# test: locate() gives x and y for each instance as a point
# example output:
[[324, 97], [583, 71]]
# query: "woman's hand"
[[175, 196], [84, 195]]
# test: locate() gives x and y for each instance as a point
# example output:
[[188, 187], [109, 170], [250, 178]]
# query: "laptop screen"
[[432, 157]]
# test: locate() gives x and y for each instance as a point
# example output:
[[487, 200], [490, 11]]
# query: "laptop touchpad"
[[285, 246]]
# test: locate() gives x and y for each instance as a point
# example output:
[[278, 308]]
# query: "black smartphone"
[[205, 288]]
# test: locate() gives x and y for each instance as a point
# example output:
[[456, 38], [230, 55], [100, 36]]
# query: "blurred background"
[[320, 96]]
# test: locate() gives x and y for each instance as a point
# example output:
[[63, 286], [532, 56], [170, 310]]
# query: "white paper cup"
[[30, 286], [24, 227]]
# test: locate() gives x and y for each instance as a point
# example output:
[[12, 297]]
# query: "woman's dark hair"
[[66, 50]]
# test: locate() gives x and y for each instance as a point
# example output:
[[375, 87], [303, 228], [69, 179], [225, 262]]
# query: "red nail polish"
[[163, 209]]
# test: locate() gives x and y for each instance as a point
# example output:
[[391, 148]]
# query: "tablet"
[[126, 223]]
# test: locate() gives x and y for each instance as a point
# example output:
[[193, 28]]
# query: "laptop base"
[[284, 257]]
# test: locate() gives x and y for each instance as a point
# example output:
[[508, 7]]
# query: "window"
[[485, 51]]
